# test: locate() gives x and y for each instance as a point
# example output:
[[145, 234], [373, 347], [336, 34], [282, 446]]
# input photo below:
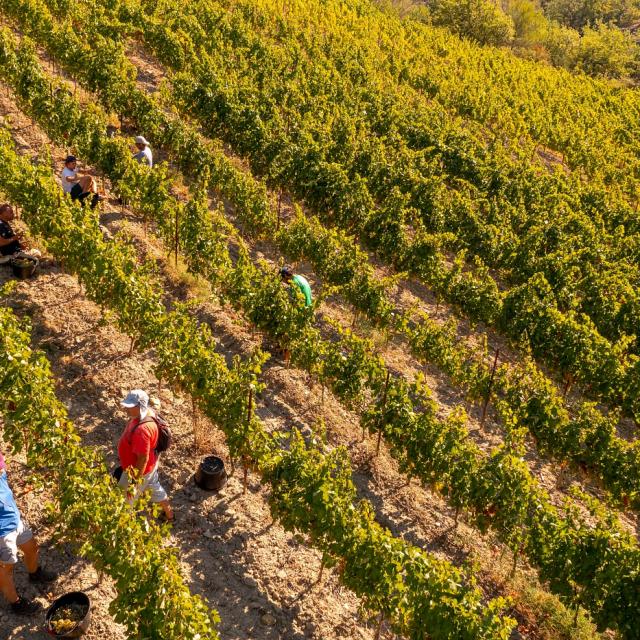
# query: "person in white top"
[[79, 187], [144, 155]]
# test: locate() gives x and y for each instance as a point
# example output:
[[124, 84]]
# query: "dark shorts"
[[10, 249], [76, 192]]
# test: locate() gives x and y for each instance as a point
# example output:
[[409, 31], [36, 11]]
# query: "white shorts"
[[150, 482], [9, 544]]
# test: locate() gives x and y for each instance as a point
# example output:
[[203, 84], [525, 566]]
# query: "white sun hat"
[[137, 398]]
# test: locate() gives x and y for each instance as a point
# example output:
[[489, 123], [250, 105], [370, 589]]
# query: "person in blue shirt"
[[14, 535]]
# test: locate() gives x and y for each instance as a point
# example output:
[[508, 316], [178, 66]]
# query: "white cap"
[[142, 140], [137, 398]]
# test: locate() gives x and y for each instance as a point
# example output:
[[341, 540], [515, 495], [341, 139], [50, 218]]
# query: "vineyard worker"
[[137, 453], [9, 242], [144, 155], [288, 277], [14, 535], [295, 283], [77, 186]]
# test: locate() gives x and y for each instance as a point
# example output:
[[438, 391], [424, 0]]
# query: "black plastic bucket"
[[69, 599], [24, 267], [211, 474]]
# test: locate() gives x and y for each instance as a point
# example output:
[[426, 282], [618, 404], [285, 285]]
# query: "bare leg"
[[84, 182], [166, 507], [7, 586], [30, 551], [87, 184]]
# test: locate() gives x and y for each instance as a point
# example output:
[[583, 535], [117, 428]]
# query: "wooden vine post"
[[384, 406], [379, 628], [176, 239], [245, 471], [576, 613], [517, 552], [194, 418], [279, 210], [488, 397], [567, 385], [244, 461]]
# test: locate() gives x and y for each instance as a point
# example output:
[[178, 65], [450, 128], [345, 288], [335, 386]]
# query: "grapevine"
[[90, 507]]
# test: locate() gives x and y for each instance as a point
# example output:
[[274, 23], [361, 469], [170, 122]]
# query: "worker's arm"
[[141, 464], [135, 473], [5, 241]]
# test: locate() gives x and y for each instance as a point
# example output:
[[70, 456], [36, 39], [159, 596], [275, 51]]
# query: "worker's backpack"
[[164, 432]]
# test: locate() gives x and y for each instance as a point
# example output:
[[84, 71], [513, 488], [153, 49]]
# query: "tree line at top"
[[598, 37]]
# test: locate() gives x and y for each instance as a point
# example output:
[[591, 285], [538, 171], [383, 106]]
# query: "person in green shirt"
[[296, 283], [287, 275]]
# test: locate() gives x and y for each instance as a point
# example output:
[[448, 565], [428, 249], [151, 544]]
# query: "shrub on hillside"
[[607, 51], [562, 43], [579, 14], [480, 20]]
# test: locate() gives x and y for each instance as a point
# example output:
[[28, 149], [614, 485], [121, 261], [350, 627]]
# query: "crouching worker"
[[300, 283], [14, 535], [299, 291], [9, 241], [144, 154], [79, 187], [138, 452]]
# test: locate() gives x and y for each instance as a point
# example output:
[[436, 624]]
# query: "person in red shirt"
[[136, 450]]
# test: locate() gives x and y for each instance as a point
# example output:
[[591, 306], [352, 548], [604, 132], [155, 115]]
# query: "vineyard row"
[[152, 599]]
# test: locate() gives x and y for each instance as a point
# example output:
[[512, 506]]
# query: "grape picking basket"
[[24, 266], [211, 474], [69, 616]]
